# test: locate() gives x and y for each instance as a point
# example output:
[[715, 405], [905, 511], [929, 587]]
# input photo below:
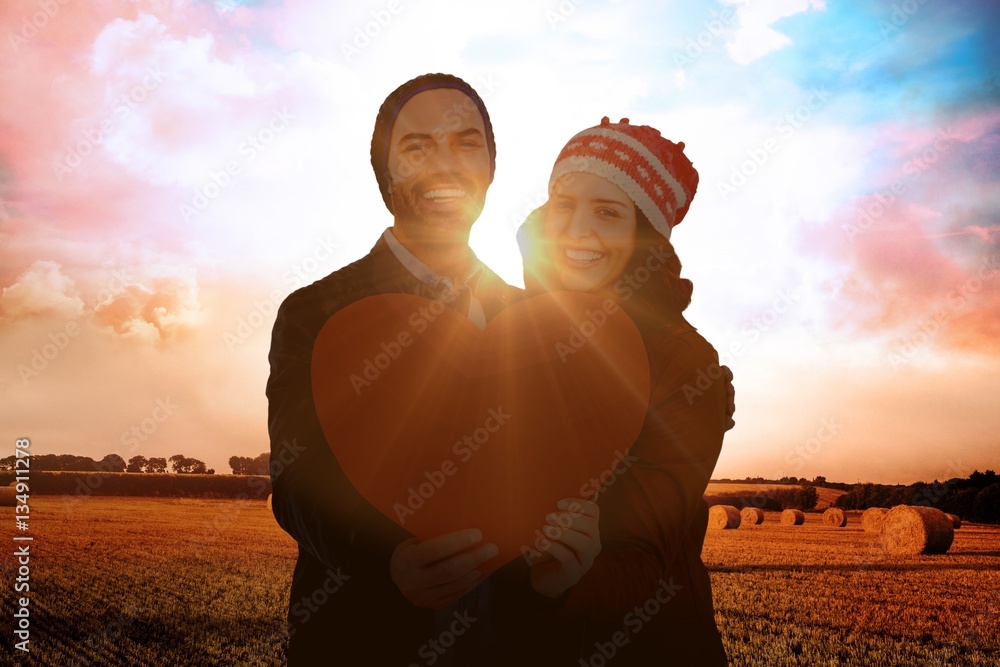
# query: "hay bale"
[[8, 496], [871, 520], [751, 516], [793, 518], [956, 521], [835, 518], [909, 530], [723, 517]]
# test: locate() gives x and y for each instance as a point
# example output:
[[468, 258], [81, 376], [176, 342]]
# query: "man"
[[363, 592]]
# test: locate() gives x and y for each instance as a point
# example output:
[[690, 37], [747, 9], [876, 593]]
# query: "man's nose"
[[442, 159]]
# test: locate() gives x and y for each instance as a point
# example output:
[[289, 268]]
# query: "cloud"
[[755, 37], [41, 290], [165, 310]]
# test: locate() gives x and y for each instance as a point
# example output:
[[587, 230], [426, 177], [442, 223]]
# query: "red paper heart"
[[443, 426]]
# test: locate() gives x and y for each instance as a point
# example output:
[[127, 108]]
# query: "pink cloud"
[[165, 311], [41, 290], [915, 247]]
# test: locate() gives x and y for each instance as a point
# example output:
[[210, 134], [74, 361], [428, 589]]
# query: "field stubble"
[[819, 595], [168, 582]]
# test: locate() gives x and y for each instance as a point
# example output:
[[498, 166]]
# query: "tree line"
[[178, 463], [802, 497], [976, 498]]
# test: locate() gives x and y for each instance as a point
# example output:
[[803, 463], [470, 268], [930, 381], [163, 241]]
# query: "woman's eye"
[[608, 212]]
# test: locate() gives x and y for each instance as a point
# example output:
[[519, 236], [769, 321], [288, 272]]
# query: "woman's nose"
[[579, 225]]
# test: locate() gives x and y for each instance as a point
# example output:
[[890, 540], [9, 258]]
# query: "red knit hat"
[[651, 170]]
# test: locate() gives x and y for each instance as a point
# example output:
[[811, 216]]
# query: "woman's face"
[[589, 231]]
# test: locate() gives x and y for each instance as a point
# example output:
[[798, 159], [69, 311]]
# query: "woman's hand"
[[574, 542]]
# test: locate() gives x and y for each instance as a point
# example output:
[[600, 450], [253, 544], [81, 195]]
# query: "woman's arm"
[[647, 511]]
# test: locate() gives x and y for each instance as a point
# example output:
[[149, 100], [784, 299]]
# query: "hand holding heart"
[[436, 572], [444, 427], [575, 543]]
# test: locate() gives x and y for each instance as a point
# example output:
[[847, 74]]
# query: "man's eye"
[[468, 143], [412, 148], [608, 212]]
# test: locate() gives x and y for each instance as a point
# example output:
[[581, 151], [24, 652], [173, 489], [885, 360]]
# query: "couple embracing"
[[624, 583]]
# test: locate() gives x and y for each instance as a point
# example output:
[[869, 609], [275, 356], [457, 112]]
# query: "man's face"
[[439, 165]]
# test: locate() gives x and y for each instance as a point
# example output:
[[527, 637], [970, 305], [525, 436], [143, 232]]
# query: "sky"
[[170, 171]]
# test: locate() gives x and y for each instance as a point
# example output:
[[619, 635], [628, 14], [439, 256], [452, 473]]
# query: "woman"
[[616, 191]]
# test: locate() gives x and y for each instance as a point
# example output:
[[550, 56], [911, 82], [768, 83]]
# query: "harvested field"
[[166, 582]]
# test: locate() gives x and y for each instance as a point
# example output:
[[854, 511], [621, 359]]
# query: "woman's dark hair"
[[647, 295], [658, 293]]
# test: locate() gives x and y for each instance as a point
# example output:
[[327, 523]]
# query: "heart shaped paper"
[[443, 426]]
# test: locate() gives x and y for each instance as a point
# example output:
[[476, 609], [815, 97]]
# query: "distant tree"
[[244, 465], [807, 497], [987, 507], [210, 471], [240, 464], [187, 466], [981, 480], [261, 464], [112, 463], [176, 461], [136, 464], [819, 481], [156, 464]]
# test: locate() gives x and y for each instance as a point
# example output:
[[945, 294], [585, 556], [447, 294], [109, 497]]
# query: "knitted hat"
[[651, 170], [390, 109]]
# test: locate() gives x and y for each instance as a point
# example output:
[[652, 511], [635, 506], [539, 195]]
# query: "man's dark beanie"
[[390, 108]]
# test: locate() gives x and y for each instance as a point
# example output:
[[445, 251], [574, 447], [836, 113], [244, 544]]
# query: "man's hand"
[[436, 572], [727, 373], [575, 542]]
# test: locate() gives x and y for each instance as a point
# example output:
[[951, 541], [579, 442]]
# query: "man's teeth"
[[452, 193], [583, 255]]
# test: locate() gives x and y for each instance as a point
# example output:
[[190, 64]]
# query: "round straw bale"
[[871, 520], [956, 521], [793, 518], [835, 517], [909, 530], [723, 517], [751, 516], [7, 496]]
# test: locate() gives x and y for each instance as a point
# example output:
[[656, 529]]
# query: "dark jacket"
[[647, 600], [344, 608], [649, 584]]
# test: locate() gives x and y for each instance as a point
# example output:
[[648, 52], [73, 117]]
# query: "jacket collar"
[[390, 275]]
